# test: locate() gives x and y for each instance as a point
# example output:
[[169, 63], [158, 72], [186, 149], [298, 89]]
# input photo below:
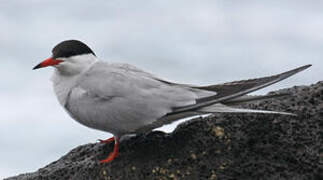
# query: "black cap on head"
[[70, 48]]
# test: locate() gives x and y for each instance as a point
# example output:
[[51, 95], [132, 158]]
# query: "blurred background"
[[195, 42]]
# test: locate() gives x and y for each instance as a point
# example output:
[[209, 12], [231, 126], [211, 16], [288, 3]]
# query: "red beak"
[[48, 62]]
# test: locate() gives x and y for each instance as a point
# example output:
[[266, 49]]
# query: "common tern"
[[123, 99]]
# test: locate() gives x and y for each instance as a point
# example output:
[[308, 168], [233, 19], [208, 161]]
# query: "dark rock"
[[224, 146]]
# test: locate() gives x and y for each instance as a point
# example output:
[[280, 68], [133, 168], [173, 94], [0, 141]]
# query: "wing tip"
[[307, 66], [292, 72], [299, 69], [304, 67]]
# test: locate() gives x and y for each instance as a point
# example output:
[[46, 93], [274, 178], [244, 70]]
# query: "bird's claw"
[[106, 141]]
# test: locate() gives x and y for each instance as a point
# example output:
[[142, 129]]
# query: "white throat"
[[67, 73]]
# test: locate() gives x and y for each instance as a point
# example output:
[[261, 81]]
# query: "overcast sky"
[[196, 42]]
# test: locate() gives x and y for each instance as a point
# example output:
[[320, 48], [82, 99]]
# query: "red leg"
[[107, 141], [113, 154]]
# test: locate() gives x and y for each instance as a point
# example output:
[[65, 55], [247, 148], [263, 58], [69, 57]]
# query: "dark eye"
[[67, 53], [64, 54]]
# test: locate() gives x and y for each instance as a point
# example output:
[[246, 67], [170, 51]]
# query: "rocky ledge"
[[223, 146]]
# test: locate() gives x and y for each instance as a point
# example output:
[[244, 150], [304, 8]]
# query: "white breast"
[[62, 86]]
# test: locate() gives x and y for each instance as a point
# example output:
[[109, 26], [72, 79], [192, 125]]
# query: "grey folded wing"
[[226, 94], [121, 99], [232, 90]]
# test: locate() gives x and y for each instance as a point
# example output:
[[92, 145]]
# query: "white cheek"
[[60, 65], [75, 64]]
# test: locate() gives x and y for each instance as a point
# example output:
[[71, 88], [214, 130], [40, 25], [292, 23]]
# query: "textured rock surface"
[[236, 146]]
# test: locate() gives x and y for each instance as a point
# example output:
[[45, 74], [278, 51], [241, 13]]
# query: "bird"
[[122, 99]]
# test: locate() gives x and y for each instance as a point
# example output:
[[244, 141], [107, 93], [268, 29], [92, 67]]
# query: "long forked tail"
[[249, 98], [226, 109], [233, 92]]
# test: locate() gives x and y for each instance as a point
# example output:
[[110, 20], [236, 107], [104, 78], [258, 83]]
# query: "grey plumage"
[[122, 99]]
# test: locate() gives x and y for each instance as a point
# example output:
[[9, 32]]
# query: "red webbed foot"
[[115, 152]]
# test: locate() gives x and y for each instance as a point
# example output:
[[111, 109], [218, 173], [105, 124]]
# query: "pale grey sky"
[[196, 42]]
